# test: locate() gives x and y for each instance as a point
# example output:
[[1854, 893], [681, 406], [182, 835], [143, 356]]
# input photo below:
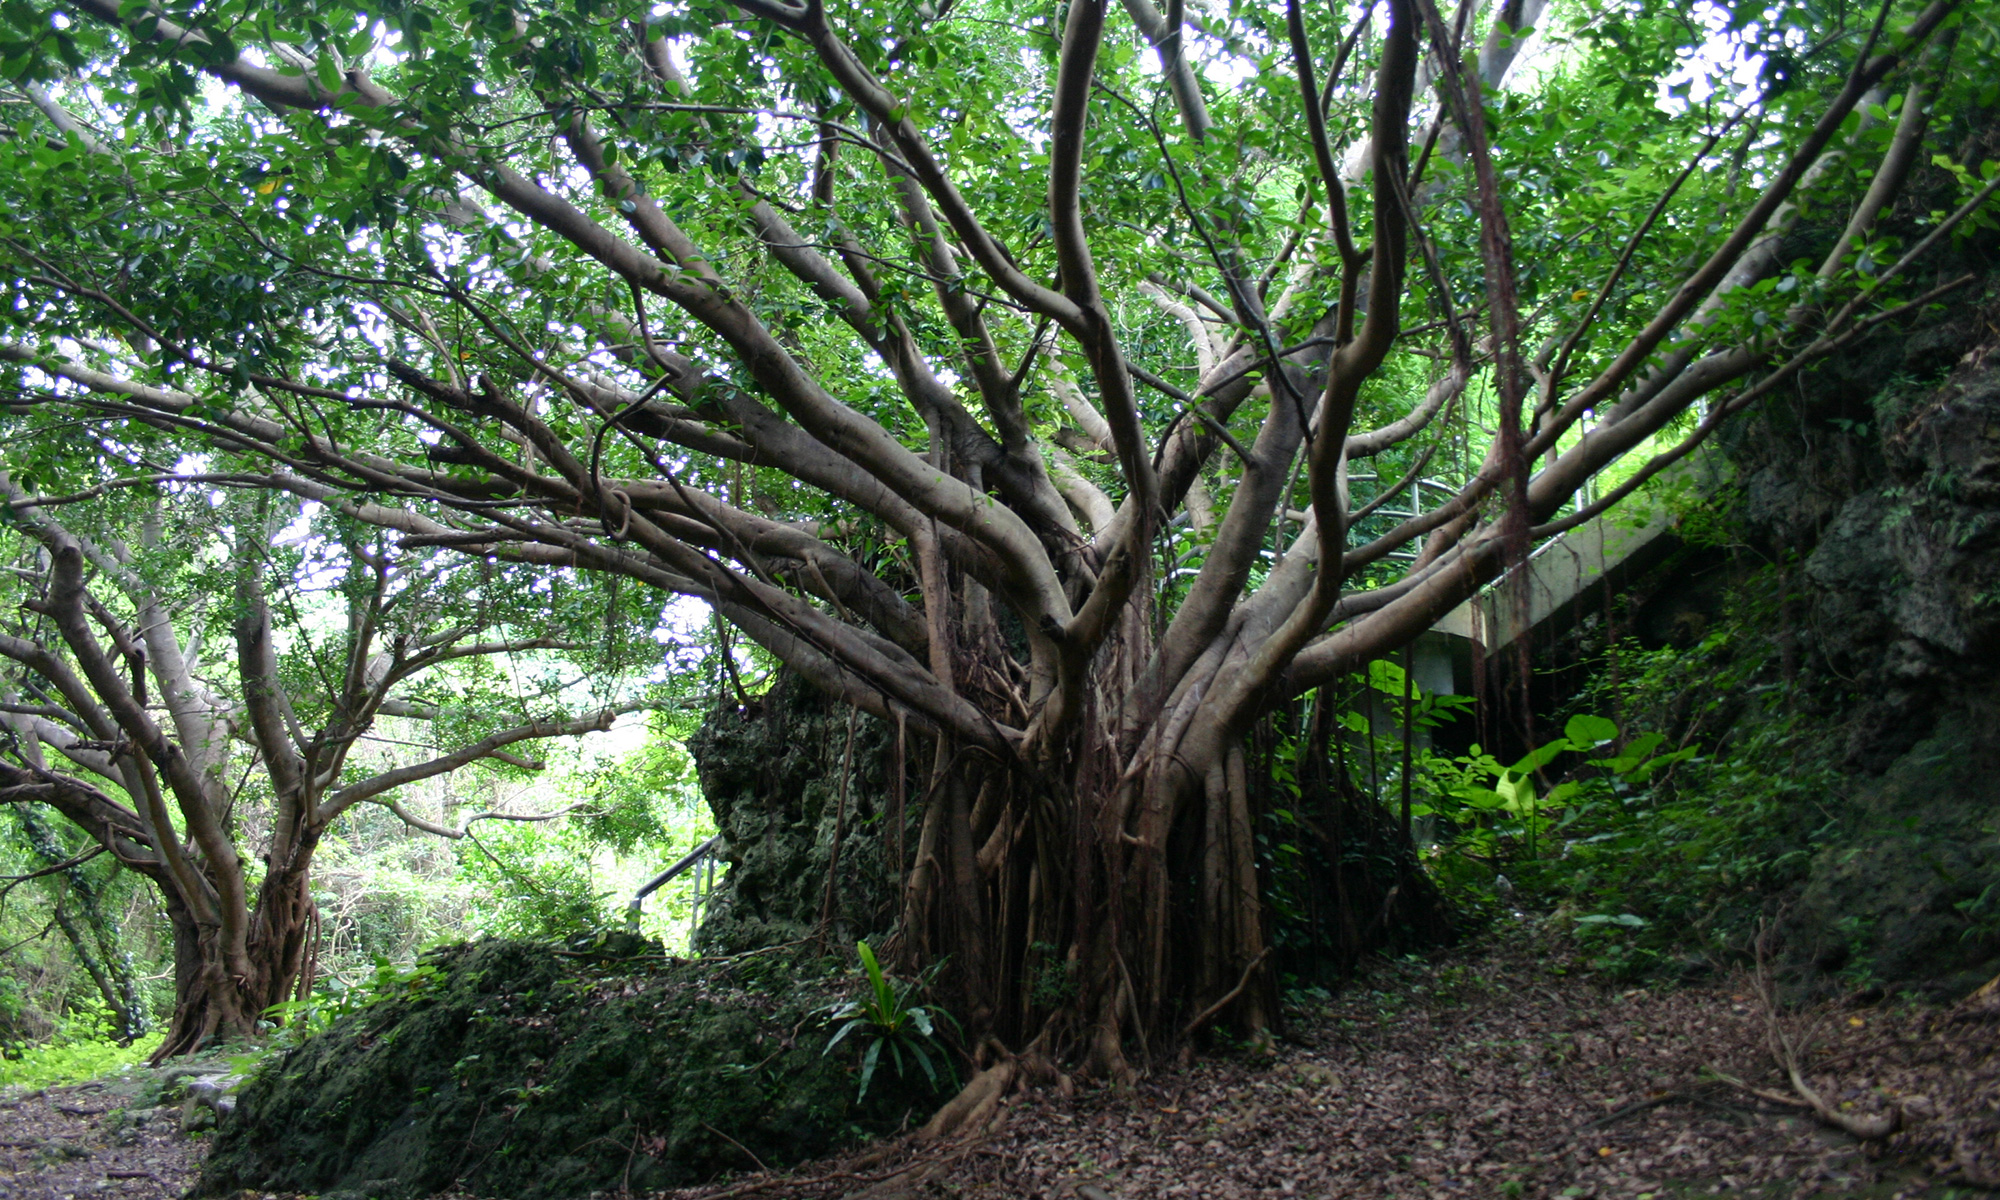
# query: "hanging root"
[[1869, 1128], [1208, 1014]]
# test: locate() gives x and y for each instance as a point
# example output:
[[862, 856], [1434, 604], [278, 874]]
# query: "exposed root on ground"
[[1868, 1127], [976, 1108]]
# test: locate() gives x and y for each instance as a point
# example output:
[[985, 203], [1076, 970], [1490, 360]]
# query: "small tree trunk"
[[86, 955], [95, 939]]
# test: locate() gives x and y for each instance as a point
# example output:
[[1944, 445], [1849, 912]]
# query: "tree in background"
[[1035, 378], [186, 701], [83, 910]]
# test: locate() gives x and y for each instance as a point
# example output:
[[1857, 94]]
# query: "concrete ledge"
[[1565, 572]]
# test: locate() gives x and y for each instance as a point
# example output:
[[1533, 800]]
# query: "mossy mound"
[[531, 1071]]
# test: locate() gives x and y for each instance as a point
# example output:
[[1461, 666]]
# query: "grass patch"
[[73, 1062]]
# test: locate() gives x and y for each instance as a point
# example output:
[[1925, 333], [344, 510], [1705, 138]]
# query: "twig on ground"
[[1752, 1089], [1842, 1059], [761, 1166], [1873, 1127], [1630, 1110]]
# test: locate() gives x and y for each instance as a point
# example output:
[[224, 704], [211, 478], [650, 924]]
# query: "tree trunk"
[[1103, 896], [284, 932], [210, 1004]]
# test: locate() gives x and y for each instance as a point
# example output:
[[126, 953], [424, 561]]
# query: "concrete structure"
[[1566, 577]]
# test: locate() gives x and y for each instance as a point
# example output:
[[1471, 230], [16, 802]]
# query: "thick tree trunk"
[[284, 933], [1061, 932], [1102, 898], [212, 1005], [197, 972]]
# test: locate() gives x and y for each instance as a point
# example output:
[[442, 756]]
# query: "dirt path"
[[88, 1140], [1495, 1071]]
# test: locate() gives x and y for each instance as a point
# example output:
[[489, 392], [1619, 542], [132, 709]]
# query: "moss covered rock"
[[1911, 896], [533, 1071], [771, 773], [1848, 686]]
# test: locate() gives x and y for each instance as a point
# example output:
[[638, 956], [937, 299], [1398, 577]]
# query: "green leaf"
[[868, 1062], [924, 1061], [1636, 750], [1387, 677], [1486, 798], [1540, 757], [885, 999], [1587, 732]]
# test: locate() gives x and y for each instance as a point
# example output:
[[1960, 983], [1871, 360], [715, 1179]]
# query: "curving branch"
[[347, 797]]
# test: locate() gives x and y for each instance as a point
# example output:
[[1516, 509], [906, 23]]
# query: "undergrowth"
[[1700, 852], [1671, 869], [1685, 792], [73, 1060]]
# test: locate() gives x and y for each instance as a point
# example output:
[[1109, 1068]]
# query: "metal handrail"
[[706, 851]]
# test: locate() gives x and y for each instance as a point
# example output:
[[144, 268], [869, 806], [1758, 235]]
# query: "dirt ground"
[[89, 1140], [1492, 1071], [1495, 1071]]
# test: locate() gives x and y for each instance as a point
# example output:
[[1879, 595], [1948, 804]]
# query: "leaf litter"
[[1500, 1069], [92, 1140]]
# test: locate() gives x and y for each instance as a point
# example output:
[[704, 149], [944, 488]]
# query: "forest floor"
[[97, 1139], [1500, 1069]]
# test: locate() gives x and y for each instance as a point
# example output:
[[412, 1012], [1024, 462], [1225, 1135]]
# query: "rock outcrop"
[[1873, 494], [772, 774]]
